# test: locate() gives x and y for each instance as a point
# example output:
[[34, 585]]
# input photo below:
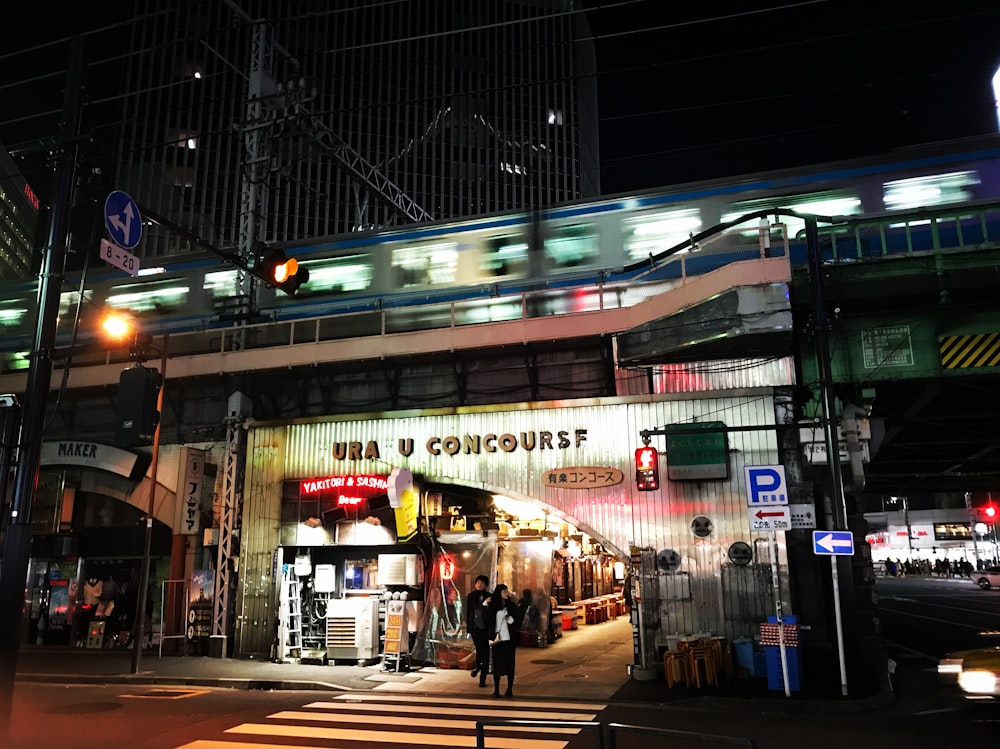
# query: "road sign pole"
[[773, 541], [840, 624]]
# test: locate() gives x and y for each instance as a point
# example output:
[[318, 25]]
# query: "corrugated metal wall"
[[257, 597], [703, 596]]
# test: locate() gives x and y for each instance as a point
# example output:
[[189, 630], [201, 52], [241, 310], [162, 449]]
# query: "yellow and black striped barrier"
[[970, 351]]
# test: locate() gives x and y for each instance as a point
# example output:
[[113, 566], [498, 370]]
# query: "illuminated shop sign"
[[447, 566], [352, 490], [467, 444]]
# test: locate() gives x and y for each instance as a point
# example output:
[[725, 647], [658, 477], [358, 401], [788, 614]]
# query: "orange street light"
[[117, 325]]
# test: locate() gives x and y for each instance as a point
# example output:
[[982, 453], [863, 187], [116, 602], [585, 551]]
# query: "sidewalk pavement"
[[588, 664]]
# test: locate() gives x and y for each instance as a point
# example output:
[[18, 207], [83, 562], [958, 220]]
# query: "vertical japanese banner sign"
[[403, 498], [189, 492]]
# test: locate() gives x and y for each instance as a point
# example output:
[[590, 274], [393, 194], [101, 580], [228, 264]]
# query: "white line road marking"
[[407, 720], [464, 712], [391, 737], [386, 699]]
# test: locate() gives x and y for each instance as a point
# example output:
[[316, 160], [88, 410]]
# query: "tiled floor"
[[587, 663]]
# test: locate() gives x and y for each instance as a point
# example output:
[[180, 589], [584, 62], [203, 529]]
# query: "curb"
[[885, 697]]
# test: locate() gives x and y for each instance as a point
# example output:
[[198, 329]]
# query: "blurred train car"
[[498, 256]]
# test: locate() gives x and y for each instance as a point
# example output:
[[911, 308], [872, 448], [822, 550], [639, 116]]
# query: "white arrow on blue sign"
[[122, 219], [838, 543]]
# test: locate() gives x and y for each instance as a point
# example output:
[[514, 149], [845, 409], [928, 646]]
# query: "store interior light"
[[517, 508]]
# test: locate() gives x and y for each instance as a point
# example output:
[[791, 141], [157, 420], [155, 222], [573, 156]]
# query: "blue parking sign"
[[765, 485]]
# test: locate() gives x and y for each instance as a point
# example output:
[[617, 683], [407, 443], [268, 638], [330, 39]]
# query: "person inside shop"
[[504, 618], [531, 618], [478, 628]]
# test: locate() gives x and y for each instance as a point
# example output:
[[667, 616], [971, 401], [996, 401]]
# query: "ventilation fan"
[[668, 560]]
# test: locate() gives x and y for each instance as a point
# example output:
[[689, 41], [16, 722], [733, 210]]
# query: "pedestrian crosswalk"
[[371, 720]]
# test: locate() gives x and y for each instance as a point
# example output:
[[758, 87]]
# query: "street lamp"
[[121, 328]]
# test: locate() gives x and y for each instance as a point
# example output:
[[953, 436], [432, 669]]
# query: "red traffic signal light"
[[990, 511], [647, 469], [281, 272]]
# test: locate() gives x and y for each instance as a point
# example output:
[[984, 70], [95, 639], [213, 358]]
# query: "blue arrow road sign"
[[122, 219], [837, 543]]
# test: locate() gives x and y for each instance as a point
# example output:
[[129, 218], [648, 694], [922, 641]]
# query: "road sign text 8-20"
[[119, 258]]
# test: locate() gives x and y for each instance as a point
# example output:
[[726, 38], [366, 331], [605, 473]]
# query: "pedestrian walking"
[[504, 619], [477, 625]]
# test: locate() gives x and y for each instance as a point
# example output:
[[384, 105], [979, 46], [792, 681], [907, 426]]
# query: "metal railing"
[[706, 738], [570, 725], [607, 736]]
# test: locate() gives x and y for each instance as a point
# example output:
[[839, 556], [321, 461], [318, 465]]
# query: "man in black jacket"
[[478, 627]]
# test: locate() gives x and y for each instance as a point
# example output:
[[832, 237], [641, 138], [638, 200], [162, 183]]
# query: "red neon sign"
[[30, 195], [364, 486]]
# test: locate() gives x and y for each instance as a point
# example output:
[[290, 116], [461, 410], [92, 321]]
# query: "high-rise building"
[[260, 120], [19, 208]]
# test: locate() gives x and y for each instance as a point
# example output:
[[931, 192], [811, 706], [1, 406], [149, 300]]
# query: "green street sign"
[[697, 451]]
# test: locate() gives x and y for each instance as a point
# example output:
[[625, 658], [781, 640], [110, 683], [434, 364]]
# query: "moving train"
[[583, 243]]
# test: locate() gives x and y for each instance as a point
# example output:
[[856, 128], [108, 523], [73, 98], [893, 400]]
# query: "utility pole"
[[17, 542], [831, 438]]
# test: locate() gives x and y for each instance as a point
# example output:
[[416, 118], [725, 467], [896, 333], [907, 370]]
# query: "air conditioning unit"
[[352, 629]]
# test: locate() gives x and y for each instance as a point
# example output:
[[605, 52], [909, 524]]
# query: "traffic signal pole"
[[17, 540], [139, 620]]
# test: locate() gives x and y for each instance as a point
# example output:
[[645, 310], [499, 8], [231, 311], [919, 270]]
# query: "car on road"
[[977, 672], [987, 578]]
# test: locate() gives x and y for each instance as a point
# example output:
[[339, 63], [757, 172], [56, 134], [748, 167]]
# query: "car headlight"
[[978, 682], [950, 666]]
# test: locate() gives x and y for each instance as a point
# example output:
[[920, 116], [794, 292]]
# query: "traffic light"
[[647, 469], [137, 414], [990, 511], [281, 272]]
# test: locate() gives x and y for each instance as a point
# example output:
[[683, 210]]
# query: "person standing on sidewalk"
[[504, 619], [477, 626]]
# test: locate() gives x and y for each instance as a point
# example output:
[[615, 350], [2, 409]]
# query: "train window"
[[504, 256], [924, 192], [11, 318], [826, 203], [653, 233], [140, 297], [569, 246], [339, 275], [221, 283], [425, 264]]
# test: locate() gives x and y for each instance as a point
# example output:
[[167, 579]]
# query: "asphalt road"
[[922, 620]]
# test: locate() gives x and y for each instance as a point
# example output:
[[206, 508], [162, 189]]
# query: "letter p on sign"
[[765, 485]]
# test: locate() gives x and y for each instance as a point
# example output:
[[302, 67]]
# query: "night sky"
[[710, 89], [691, 91]]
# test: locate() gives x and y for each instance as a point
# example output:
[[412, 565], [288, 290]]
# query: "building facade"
[[306, 119], [308, 496], [19, 222]]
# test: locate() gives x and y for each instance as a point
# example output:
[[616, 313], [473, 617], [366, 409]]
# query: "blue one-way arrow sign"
[[839, 543]]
